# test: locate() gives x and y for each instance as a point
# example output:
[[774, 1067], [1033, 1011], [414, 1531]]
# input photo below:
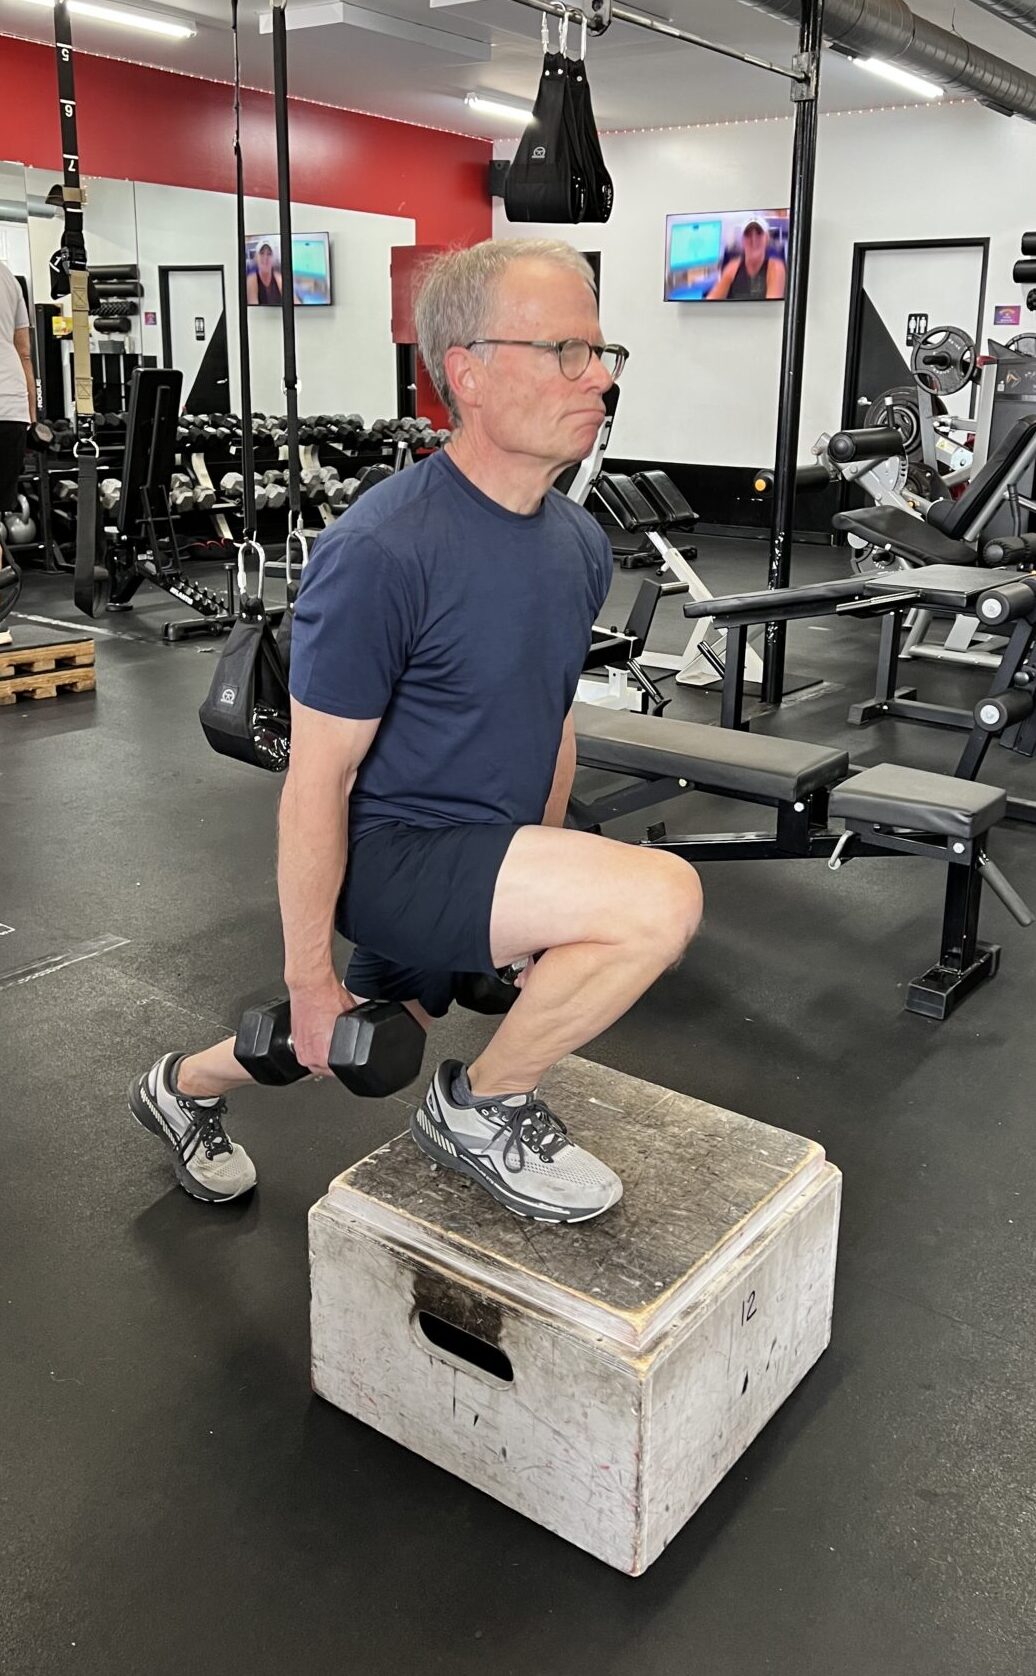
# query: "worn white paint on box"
[[644, 1350]]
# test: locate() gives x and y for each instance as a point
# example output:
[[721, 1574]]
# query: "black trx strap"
[[247, 446], [247, 712], [296, 548], [92, 580]]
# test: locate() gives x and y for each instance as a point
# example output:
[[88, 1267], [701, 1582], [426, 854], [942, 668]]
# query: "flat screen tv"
[[729, 256], [310, 260]]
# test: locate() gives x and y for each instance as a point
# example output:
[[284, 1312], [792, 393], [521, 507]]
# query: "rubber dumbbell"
[[110, 493], [375, 1050], [276, 491], [491, 993], [66, 488], [232, 485], [181, 496], [204, 498]]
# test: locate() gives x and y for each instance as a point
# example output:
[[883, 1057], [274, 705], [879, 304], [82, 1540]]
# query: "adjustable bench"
[[884, 810], [649, 503]]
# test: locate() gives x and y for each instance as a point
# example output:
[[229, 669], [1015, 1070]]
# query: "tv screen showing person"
[[737, 257]]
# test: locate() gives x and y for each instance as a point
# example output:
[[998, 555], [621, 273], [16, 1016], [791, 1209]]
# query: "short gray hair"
[[457, 291]]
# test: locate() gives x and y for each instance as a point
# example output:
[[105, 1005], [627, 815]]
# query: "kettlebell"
[[21, 530]]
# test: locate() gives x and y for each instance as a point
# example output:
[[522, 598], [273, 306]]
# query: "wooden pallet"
[[42, 659], [47, 683]]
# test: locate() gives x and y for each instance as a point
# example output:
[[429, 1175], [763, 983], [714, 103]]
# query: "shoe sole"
[[465, 1166], [140, 1109]]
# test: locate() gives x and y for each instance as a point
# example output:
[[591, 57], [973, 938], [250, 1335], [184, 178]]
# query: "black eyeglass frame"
[[559, 346]]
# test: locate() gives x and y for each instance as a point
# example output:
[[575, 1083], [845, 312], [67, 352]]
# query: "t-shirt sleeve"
[[606, 570], [356, 620], [21, 313]]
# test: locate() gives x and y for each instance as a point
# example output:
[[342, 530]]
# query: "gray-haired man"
[[439, 636]]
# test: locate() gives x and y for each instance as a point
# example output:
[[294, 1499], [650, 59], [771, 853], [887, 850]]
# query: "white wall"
[[346, 360], [702, 381]]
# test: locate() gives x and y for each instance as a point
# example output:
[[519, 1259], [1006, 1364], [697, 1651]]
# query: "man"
[[439, 636], [17, 393], [755, 275]]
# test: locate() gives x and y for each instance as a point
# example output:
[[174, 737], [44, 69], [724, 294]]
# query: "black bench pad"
[[753, 766], [908, 797], [891, 527]]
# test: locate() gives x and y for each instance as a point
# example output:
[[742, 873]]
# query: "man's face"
[[526, 405]]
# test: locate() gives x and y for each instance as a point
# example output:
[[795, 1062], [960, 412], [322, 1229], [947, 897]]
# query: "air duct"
[[1022, 15], [889, 29]]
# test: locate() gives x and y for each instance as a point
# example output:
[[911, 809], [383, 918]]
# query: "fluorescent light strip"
[[494, 107], [902, 78], [179, 30]]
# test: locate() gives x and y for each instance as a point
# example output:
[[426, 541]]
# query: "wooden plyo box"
[[600, 1378]]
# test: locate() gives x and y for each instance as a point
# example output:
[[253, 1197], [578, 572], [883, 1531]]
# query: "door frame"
[[163, 296], [860, 253]]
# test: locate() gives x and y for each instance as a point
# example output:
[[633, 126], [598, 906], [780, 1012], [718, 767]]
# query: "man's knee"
[[666, 903]]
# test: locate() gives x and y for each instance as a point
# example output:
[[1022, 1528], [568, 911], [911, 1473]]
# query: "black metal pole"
[[789, 413]]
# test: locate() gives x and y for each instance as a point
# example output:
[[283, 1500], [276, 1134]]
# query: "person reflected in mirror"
[[757, 275]]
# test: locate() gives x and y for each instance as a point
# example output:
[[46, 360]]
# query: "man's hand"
[[314, 1012]]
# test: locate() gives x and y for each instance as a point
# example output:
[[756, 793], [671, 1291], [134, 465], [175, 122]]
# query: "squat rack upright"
[[804, 75]]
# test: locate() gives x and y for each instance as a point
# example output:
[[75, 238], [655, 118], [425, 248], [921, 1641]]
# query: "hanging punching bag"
[[545, 182]]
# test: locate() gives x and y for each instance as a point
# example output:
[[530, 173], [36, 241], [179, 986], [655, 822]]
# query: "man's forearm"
[[564, 779], [30, 385], [311, 858]]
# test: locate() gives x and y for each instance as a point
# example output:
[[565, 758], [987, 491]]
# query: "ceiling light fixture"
[[493, 106], [175, 29], [902, 78]]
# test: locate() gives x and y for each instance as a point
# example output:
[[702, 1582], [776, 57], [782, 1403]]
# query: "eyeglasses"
[[573, 353]]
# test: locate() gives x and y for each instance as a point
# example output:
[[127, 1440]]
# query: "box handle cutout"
[[475, 1354]]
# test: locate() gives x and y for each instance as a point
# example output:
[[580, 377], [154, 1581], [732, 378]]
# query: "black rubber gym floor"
[[173, 1497]]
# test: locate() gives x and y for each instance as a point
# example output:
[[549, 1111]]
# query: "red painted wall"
[[141, 124]]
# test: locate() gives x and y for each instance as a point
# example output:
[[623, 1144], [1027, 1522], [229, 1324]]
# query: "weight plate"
[[944, 360], [899, 407], [1024, 344]]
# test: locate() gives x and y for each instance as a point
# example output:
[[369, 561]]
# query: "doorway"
[[194, 335], [895, 287]]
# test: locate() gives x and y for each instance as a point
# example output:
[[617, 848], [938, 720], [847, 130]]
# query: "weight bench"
[[885, 810], [950, 533], [650, 503]]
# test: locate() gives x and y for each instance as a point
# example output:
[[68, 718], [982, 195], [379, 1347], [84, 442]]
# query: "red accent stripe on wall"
[[151, 125]]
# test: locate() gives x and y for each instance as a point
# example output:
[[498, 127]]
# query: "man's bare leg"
[[611, 918]]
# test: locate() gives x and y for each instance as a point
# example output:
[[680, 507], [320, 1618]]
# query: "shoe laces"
[[205, 1129], [534, 1128]]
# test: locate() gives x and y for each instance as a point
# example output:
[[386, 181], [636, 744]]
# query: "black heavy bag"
[[247, 713], [545, 181], [579, 113]]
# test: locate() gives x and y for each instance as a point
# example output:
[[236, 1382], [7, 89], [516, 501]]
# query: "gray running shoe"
[[517, 1149], [208, 1164]]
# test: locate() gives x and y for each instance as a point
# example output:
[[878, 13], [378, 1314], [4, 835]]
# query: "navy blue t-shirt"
[[464, 627]]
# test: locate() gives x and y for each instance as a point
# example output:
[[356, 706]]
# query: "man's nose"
[[597, 375]]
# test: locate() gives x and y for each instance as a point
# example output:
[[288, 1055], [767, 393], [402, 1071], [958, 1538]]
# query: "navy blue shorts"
[[417, 903]]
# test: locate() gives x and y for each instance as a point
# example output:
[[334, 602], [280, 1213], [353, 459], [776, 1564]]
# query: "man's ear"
[[465, 373]]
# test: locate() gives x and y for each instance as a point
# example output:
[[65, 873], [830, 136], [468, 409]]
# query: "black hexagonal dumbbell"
[[375, 1050], [491, 993]]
